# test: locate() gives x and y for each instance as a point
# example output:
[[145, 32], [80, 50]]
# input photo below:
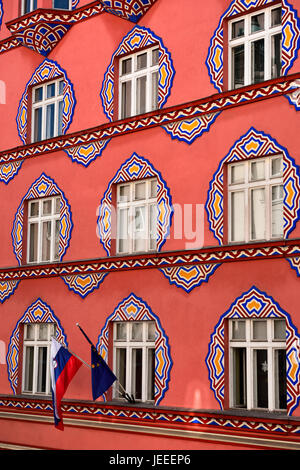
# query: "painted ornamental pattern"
[[133, 308], [254, 304]]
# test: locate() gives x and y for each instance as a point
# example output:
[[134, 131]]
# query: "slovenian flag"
[[63, 366]]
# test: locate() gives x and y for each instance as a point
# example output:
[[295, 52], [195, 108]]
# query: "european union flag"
[[102, 376]]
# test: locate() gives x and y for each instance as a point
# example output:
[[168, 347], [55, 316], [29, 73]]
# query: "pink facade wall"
[[187, 319]]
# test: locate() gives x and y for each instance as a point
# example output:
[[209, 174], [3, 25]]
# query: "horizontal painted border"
[[215, 103], [283, 249]]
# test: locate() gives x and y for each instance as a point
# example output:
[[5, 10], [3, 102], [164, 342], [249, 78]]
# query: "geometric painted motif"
[[37, 312], [136, 168], [44, 186], [86, 154], [189, 277], [131, 10], [7, 288], [9, 170], [42, 37], [289, 44], [48, 70], [188, 131], [133, 308], [84, 284], [254, 304], [255, 144], [138, 38]]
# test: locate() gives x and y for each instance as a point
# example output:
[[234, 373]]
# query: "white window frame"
[[267, 183], [40, 219], [131, 204], [56, 100], [271, 345], [32, 7], [247, 39], [129, 344], [69, 7], [36, 344], [133, 77]]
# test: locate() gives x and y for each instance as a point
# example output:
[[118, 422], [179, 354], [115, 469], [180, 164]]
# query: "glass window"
[[43, 230], [257, 350], [255, 48], [255, 199], [137, 216], [36, 358], [28, 6], [134, 358], [138, 83], [62, 4], [47, 110]]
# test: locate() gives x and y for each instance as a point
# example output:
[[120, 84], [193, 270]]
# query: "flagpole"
[[85, 363]]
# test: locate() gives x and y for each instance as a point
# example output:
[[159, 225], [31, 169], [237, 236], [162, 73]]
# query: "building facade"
[[150, 191]]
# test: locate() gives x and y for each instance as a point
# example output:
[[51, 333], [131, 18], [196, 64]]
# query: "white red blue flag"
[[63, 366]]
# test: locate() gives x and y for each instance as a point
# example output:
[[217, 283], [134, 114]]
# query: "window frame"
[[32, 7], [251, 345], [133, 77], [43, 104], [248, 39], [130, 206], [246, 187], [36, 344], [40, 219], [129, 345]]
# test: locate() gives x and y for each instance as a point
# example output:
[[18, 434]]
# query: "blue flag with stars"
[[102, 376]]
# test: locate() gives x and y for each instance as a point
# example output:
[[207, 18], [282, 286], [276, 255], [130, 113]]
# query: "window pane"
[[42, 370], [121, 368], [57, 206], [34, 209], [277, 211], [29, 354], [153, 226], [33, 242], [57, 239], [261, 378], [29, 332], [141, 95], [154, 94], [140, 191], [280, 379], [238, 329], [276, 56], [260, 330], [257, 170], [51, 90], [276, 17], [126, 66], [43, 331], [61, 87], [38, 94], [238, 59], [121, 331], [137, 368], [151, 331], [277, 166], [47, 207], [50, 111], [123, 231], [137, 331], [155, 57], [46, 241], [126, 99], [60, 117], [141, 62], [258, 214], [279, 330], [239, 377], [257, 61], [38, 121], [151, 374], [237, 216], [257, 23], [140, 229], [237, 173], [238, 29], [124, 193], [153, 188], [63, 4]]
